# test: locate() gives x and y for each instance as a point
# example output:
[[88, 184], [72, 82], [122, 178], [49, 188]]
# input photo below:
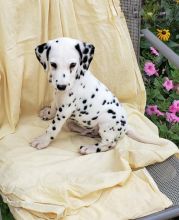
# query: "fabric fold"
[[57, 182]]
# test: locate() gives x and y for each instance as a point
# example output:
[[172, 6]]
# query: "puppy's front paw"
[[40, 142], [46, 113]]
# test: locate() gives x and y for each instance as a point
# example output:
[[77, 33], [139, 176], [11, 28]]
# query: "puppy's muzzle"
[[61, 87]]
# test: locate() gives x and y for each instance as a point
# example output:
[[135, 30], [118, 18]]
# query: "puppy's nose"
[[61, 87]]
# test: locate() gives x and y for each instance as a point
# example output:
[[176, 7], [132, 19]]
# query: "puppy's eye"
[[54, 65], [72, 65]]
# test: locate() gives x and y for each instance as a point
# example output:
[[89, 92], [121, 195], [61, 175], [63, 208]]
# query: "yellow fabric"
[[58, 183]]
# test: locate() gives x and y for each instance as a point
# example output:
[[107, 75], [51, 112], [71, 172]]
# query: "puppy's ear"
[[42, 53], [86, 52]]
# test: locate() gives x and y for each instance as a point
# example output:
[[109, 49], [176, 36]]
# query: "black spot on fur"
[[56, 41], [59, 119], [117, 104], [84, 101], [93, 95], [49, 112], [77, 77], [86, 50], [84, 121], [71, 93], [111, 111], [84, 112], [89, 122], [123, 122], [74, 100], [90, 59], [53, 122], [85, 59], [69, 105], [96, 144], [113, 116], [48, 51], [97, 89], [41, 47], [44, 65], [54, 128], [104, 102], [119, 129], [98, 150], [90, 105], [94, 118], [82, 73], [79, 50], [81, 147], [63, 116], [51, 138], [60, 109], [92, 50], [85, 107], [85, 66]]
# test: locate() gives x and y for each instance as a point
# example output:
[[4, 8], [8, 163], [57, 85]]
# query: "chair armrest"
[[161, 47], [163, 215]]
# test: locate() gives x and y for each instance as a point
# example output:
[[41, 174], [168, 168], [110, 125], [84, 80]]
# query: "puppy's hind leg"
[[74, 127], [108, 141]]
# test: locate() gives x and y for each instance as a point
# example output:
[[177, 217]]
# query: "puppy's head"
[[65, 59]]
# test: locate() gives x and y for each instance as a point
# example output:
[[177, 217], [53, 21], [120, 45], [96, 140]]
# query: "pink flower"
[[150, 69], [154, 51], [168, 84], [174, 108], [153, 110], [171, 117]]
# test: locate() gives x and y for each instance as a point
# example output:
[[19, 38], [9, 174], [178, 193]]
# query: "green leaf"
[[145, 44], [172, 44]]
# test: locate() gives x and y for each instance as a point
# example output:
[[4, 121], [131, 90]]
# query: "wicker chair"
[[165, 174]]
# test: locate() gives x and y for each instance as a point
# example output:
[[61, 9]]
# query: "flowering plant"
[[161, 78]]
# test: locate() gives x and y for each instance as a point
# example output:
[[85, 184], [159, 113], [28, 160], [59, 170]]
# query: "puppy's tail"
[[135, 136]]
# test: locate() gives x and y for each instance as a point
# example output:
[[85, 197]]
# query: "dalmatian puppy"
[[79, 98]]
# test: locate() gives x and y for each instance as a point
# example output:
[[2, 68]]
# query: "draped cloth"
[[57, 182]]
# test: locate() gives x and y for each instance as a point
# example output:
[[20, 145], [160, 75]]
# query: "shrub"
[[161, 78]]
